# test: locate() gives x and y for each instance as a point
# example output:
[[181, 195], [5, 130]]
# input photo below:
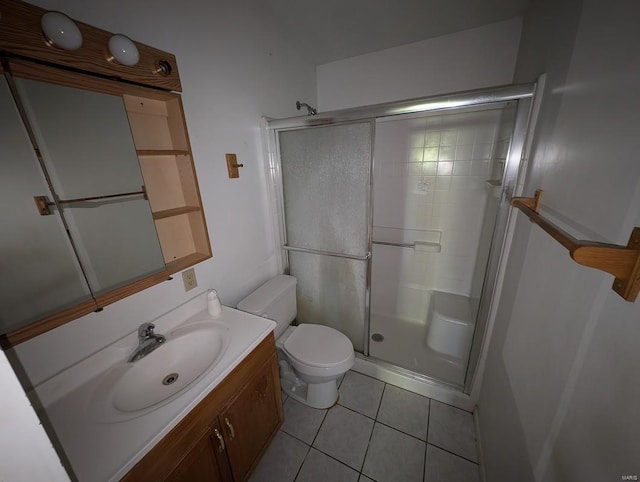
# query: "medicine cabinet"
[[98, 189]]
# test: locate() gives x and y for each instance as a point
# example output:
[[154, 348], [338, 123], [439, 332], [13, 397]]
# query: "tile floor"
[[377, 432]]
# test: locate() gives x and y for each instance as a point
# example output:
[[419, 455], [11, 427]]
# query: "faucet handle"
[[146, 330]]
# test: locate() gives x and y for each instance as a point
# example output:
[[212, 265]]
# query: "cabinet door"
[[88, 152], [251, 419], [199, 465], [40, 272]]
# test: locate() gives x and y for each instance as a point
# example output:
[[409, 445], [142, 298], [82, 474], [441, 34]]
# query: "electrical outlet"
[[189, 279]]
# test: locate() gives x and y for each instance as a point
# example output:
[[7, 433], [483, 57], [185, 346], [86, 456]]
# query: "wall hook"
[[232, 166]]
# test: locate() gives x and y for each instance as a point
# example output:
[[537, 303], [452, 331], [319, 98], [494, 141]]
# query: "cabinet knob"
[[232, 433], [220, 439]]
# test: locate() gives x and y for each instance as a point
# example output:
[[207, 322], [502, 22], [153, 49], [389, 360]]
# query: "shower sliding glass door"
[[326, 184], [403, 258]]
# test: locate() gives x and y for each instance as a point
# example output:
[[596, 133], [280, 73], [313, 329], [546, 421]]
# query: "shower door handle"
[[326, 253]]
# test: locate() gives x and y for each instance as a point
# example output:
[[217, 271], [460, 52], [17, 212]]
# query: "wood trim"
[[162, 152], [52, 75], [129, 289], [21, 34], [47, 323], [166, 455], [205, 230], [167, 213], [186, 262], [623, 262]]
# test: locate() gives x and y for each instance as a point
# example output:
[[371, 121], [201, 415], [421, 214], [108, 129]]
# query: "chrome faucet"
[[147, 341]]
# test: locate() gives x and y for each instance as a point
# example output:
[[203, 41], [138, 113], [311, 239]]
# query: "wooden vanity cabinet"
[[223, 437], [200, 463], [250, 420]]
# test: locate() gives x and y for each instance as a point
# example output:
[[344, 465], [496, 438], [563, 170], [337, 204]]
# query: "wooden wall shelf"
[[623, 262]]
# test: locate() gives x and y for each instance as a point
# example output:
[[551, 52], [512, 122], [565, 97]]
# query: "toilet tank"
[[276, 300]]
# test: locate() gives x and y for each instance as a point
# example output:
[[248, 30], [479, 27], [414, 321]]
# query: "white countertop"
[[100, 451]]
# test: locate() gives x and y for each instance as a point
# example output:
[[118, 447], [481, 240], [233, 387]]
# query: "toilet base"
[[315, 395]]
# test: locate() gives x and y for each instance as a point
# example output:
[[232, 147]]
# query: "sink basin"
[[133, 389]]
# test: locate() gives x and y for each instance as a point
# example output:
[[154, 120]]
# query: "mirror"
[[87, 151], [39, 271]]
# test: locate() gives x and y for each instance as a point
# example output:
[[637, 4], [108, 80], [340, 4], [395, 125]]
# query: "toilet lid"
[[318, 346]]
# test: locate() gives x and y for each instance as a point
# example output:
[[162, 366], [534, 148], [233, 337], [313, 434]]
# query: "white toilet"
[[312, 357]]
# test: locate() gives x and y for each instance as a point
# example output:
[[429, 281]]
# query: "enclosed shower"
[[393, 217]]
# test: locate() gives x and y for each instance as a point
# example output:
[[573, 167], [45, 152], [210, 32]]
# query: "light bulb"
[[61, 31], [124, 50]]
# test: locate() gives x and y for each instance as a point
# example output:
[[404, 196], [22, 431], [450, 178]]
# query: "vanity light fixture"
[[124, 50], [60, 31]]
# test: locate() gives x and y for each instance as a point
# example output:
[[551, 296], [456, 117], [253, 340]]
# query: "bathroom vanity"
[[222, 438], [216, 428]]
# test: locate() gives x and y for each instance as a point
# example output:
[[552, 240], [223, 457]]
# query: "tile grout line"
[[375, 420], [426, 445], [372, 430], [302, 464], [418, 394], [447, 404], [385, 424], [320, 426], [442, 448], [453, 453], [384, 389], [333, 458], [304, 459], [311, 446]]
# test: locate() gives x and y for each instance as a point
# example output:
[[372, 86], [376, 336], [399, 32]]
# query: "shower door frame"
[[278, 211], [512, 183]]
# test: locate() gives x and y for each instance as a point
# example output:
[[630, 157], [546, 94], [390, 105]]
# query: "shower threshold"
[[413, 382]]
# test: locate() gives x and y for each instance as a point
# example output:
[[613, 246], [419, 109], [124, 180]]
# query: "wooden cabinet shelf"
[[167, 213], [186, 261], [162, 144]]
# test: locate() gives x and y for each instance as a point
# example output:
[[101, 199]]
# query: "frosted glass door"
[[40, 274], [326, 179]]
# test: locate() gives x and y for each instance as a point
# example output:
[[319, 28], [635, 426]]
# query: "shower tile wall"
[[430, 174]]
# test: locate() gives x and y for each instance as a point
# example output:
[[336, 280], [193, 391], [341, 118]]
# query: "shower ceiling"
[[329, 30]]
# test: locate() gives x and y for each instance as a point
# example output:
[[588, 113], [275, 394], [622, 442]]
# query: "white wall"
[[560, 395], [430, 176], [472, 59], [25, 450], [235, 67]]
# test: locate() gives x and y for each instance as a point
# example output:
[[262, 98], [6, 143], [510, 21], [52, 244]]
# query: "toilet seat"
[[318, 346]]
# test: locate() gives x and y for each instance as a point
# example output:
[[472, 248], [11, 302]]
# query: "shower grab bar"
[[623, 262], [416, 245], [399, 245], [326, 253]]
